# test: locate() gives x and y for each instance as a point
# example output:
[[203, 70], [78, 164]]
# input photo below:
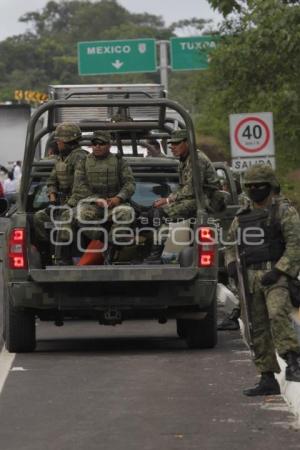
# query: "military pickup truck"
[[182, 287]]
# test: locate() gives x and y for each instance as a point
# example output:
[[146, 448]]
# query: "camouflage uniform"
[[182, 202], [61, 178], [270, 306], [100, 178], [51, 157]]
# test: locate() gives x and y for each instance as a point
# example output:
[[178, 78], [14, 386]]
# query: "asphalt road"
[[136, 387]]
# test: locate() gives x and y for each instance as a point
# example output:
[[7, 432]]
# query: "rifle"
[[244, 294]]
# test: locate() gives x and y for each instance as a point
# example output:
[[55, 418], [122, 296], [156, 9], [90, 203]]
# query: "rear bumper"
[[115, 274], [124, 295]]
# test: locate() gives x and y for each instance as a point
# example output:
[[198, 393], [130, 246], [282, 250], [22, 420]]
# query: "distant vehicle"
[[13, 127]]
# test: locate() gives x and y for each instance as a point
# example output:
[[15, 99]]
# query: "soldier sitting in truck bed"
[[60, 183], [182, 204], [103, 182]]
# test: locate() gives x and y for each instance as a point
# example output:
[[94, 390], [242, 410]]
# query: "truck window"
[[147, 192]]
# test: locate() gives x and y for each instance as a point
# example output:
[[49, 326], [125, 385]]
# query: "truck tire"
[[203, 333], [181, 328], [19, 326]]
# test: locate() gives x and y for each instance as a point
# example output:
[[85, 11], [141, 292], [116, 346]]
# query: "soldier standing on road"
[[270, 262], [60, 181], [182, 204], [105, 182]]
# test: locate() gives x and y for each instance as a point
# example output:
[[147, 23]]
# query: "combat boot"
[[109, 255], [292, 371], [268, 385], [63, 255], [155, 255], [45, 254], [231, 321]]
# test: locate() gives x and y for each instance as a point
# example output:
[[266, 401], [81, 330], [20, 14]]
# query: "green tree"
[[254, 69], [227, 7], [48, 53]]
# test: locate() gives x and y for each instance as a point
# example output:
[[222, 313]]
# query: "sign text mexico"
[[110, 57]]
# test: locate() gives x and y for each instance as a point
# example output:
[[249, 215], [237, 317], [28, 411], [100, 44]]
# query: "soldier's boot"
[[109, 255], [292, 371], [45, 253], [155, 255], [63, 255], [268, 385], [231, 321]]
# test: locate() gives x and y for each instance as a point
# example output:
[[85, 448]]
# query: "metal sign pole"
[[163, 62]]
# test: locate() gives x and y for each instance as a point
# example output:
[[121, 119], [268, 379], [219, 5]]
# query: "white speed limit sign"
[[251, 135]]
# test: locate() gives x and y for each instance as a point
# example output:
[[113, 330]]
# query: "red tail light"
[[17, 249], [206, 247]]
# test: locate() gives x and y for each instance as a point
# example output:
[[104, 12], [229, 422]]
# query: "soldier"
[[270, 260], [104, 181], [182, 204], [60, 181]]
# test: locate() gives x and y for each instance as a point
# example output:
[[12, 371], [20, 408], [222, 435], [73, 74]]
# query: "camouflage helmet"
[[101, 137], [259, 173], [177, 136], [67, 132]]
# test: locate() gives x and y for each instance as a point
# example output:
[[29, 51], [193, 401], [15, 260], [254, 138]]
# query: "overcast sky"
[[170, 10]]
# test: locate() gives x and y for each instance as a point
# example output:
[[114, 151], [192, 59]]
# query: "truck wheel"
[[181, 328], [19, 326], [203, 333]]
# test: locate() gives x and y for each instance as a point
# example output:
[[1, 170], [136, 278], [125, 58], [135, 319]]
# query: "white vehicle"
[[13, 127]]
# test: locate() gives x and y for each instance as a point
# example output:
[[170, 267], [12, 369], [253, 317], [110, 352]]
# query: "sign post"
[[252, 140], [111, 57]]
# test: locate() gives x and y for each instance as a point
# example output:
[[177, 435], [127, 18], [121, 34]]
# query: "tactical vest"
[[103, 175], [65, 170], [258, 249]]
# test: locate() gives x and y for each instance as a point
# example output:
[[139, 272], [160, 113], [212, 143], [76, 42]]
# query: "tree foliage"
[[255, 69], [227, 7], [47, 53]]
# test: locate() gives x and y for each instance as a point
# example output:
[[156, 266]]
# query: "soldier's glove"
[[271, 277], [232, 271]]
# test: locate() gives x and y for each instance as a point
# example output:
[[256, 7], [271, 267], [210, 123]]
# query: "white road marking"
[[18, 369], [6, 360]]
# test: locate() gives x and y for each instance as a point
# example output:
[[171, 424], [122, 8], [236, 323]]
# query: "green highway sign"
[[191, 53], [110, 57]]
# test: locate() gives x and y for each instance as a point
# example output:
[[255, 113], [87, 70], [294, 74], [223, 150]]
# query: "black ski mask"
[[258, 192]]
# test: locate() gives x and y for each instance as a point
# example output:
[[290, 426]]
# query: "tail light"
[[206, 247], [17, 249]]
